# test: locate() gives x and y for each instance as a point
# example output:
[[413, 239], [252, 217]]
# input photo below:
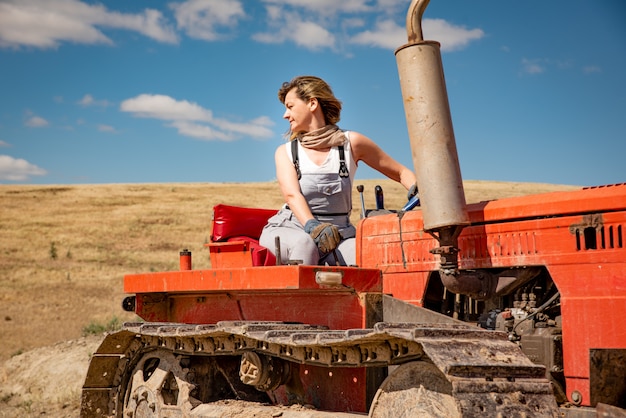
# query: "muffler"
[[434, 152]]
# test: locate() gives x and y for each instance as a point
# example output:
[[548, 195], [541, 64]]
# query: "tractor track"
[[489, 375]]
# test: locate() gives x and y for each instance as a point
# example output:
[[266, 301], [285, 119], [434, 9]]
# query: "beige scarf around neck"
[[328, 136]]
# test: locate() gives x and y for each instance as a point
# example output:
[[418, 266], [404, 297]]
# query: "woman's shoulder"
[[353, 135], [285, 145], [283, 150], [356, 139], [360, 145]]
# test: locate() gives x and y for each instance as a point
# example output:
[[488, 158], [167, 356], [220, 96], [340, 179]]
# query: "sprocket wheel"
[[158, 388]]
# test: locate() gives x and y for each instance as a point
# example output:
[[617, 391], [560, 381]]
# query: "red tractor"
[[507, 308]]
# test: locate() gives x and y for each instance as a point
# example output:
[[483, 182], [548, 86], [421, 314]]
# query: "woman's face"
[[298, 113]]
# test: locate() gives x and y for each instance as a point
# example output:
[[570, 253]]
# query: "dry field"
[[64, 251]]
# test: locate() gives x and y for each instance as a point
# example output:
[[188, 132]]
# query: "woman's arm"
[[290, 187], [366, 150]]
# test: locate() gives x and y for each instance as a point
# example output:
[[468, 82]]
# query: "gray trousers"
[[297, 245]]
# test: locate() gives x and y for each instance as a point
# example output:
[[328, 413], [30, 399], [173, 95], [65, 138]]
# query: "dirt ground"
[[64, 252]]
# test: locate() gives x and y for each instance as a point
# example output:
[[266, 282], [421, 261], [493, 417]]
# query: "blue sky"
[[185, 91]]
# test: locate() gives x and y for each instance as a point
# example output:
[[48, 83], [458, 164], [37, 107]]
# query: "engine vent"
[[599, 237]]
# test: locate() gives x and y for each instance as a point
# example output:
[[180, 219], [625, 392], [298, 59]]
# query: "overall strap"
[[343, 168], [294, 155]]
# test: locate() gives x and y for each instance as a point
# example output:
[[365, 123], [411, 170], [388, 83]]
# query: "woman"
[[315, 172]]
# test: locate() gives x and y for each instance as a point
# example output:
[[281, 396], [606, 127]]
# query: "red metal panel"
[[337, 310], [408, 287], [249, 278], [587, 200], [593, 303], [339, 389], [548, 241], [230, 254]]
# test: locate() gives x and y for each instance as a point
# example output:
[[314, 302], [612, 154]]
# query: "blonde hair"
[[309, 87]]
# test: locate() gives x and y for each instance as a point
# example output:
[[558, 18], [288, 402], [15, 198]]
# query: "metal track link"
[[304, 344]]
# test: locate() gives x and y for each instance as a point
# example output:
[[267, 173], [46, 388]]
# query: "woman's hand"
[[412, 191], [325, 235]]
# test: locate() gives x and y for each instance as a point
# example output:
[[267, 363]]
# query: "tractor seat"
[[235, 237]]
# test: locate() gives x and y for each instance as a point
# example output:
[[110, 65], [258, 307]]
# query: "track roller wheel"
[[262, 372], [158, 387], [415, 389]]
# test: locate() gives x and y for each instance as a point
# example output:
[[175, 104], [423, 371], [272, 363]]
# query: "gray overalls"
[[329, 196]]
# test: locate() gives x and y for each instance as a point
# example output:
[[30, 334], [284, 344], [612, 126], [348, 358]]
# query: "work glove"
[[412, 192], [325, 235], [413, 198]]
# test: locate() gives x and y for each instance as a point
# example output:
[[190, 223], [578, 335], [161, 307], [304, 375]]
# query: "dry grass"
[[64, 249]]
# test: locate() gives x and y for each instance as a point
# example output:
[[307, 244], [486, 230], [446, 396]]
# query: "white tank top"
[[327, 193]]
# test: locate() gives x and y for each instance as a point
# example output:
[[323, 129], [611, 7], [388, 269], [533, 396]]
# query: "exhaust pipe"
[[434, 152], [429, 124]]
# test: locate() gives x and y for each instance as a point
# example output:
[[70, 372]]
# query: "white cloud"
[[331, 24], [158, 106], [17, 169], [191, 119], [200, 131], [88, 100], [47, 24], [306, 34], [201, 19], [592, 69], [256, 128], [326, 7], [106, 128], [450, 36], [314, 25], [532, 66], [36, 122], [388, 34], [4, 144], [312, 35], [289, 26], [535, 66]]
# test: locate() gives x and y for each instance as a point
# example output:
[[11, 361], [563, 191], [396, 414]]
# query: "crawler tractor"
[[506, 308]]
